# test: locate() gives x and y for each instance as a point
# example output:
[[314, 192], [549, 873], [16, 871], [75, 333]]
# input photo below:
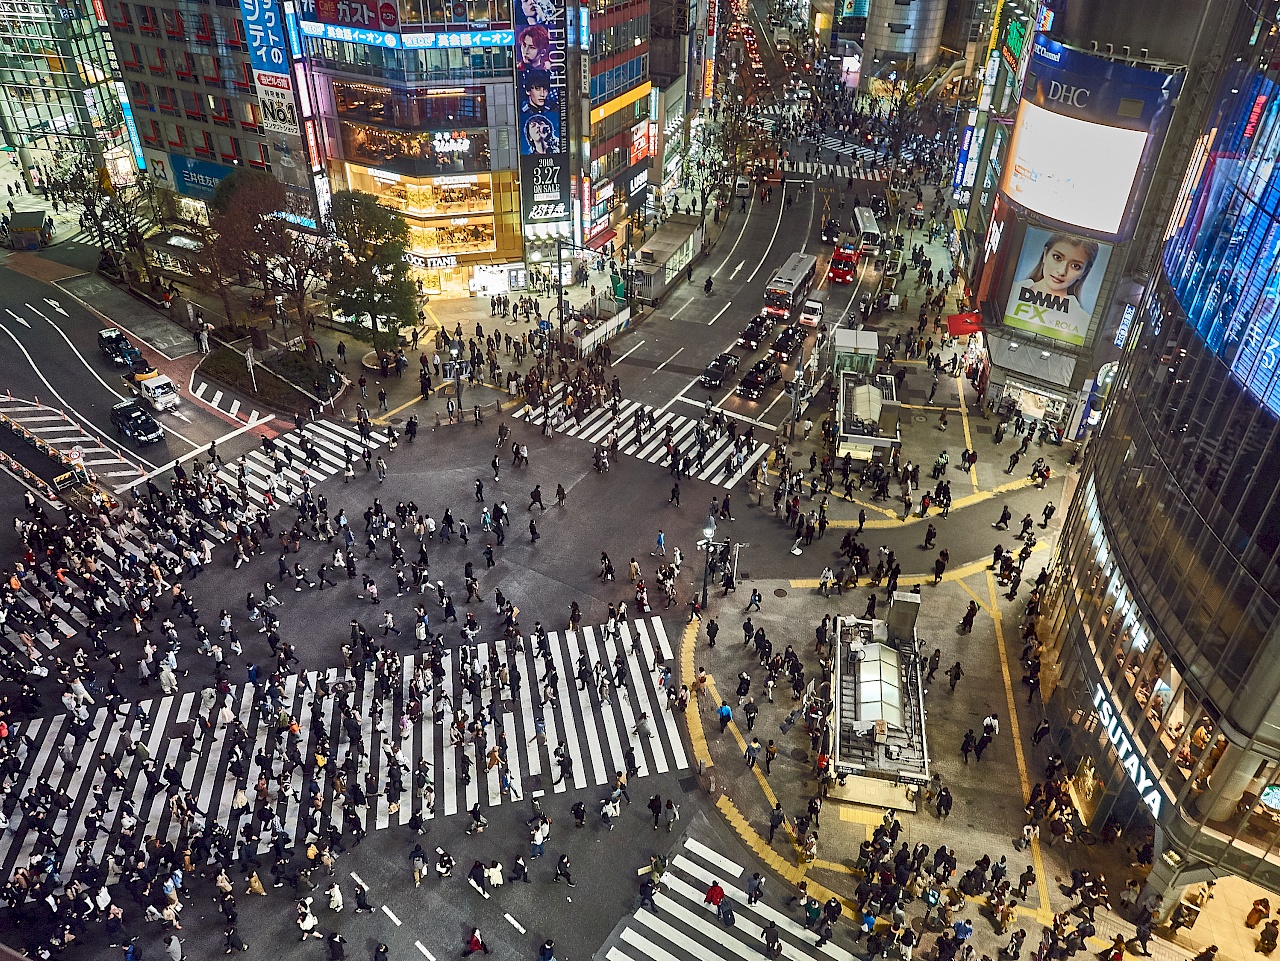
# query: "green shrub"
[[226, 367]]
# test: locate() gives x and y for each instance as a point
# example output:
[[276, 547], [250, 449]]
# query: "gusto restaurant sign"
[[1122, 741]]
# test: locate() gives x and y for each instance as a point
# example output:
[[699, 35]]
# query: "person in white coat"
[[335, 896]]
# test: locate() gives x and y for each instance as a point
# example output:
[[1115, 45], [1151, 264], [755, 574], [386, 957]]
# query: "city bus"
[[844, 261], [864, 224], [787, 289]]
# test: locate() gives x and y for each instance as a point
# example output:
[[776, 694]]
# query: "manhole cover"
[[780, 592], [397, 420], [920, 418]]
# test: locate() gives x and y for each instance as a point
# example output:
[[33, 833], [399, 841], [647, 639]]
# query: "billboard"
[[1084, 128], [367, 14], [264, 30], [196, 178], [1055, 284], [541, 93]]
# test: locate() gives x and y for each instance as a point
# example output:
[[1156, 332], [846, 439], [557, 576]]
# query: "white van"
[[742, 187], [811, 313]]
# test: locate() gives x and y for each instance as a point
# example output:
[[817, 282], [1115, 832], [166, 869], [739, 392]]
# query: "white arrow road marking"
[[56, 306], [736, 269], [17, 318]]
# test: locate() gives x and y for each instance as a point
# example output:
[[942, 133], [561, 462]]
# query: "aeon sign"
[[1122, 741]]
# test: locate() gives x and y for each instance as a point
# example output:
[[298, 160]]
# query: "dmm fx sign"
[[1122, 741]]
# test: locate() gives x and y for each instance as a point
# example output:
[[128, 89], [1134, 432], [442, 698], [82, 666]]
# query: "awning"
[[600, 239], [962, 325]]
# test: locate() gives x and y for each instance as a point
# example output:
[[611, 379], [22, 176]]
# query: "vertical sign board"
[[264, 26], [541, 94]]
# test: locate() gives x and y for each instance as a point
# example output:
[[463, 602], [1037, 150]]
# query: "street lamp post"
[[560, 287], [456, 350], [708, 533]]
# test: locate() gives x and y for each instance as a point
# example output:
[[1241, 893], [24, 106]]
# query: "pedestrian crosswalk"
[[842, 172], [723, 463], [328, 441], [229, 404], [55, 429], [596, 733], [681, 927]]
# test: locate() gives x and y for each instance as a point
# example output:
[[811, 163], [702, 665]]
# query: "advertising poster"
[[1055, 285], [541, 30], [1083, 129]]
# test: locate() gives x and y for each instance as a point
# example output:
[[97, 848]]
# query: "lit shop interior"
[[1152, 761]]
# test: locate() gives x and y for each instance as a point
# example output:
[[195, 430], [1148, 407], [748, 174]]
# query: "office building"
[[214, 88], [1162, 619], [61, 101]]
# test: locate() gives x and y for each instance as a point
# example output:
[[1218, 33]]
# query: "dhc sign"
[[1123, 744]]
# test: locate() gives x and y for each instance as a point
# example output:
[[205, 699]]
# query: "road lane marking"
[[394, 920], [668, 360], [630, 352], [736, 269], [425, 953], [717, 316], [514, 923]]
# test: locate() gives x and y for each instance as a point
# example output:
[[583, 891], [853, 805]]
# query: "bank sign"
[[1123, 743]]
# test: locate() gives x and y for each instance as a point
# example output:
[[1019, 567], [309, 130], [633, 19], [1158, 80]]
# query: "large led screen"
[[1055, 284], [1071, 170], [541, 86], [1223, 254]]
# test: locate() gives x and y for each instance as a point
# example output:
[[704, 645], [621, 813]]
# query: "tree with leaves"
[[244, 218], [120, 215], [368, 274]]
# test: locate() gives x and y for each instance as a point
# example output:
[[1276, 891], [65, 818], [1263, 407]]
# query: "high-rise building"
[[617, 157], [422, 111], [1163, 614], [903, 40], [61, 100], [217, 87]]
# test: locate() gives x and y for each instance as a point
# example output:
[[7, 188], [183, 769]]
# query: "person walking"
[[777, 819], [725, 714], [475, 943], [563, 867], [655, 808], [954, 673]]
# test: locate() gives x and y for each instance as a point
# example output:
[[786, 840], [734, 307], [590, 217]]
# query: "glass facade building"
[[1166, 596], [58, 97]]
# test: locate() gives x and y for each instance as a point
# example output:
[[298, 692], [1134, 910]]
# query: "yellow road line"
[[697, 736], [959, 503], [1037, 859], [964, 424], [909, 580]]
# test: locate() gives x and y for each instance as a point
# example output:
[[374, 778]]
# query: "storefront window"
[[437, 197], [429, 108], [460, 235], [416, 154]]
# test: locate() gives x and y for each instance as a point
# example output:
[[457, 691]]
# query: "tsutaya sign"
[[1122, 741]]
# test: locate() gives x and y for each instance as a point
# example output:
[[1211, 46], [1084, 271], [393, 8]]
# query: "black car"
[[719, 370], [132, 420], [787, 342], [831, 231], [754, 335], [117, 347], [761, 375]]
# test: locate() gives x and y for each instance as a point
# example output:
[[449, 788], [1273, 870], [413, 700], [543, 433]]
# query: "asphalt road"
[[659, 362], [49, 342]]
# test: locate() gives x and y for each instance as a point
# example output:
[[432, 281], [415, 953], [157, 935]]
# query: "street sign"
[[544, 325], [76, 455]]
